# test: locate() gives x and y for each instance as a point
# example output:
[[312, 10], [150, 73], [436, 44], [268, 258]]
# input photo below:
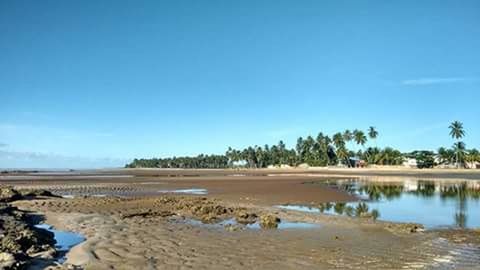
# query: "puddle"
[[434, 204], [65, 240], [71, 196], [193, 191], [151, 183], [300, 208], [283, 225]]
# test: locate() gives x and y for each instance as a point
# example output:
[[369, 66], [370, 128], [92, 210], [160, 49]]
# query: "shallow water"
[[71, 196], [194, 191], [283, 225], [65, 240], [434, 204]]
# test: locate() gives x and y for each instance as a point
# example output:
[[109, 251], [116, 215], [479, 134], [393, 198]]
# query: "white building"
[[410, 162]]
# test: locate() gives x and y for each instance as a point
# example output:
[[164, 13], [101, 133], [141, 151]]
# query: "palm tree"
[[308, 149], [347, 136], [300, 149], [373, 134], [460, 151], [457, 132], [322, 146], [472, 157], [444, 155], [339, 143], [338, 140], [359, 137], [342, 154]]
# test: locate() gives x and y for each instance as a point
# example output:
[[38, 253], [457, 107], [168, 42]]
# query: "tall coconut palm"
[[338, 140], [342, 154], [359, 137], [300, 149], [308, 150], [373, 134], [339, 144], [347, 136], [229, 155], [460, 151], [457, 132]]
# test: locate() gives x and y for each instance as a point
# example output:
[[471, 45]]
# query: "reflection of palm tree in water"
[[376, 192], [461, 211], [425, 189]]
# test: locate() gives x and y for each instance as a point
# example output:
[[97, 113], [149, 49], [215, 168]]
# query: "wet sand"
[[145, 229]]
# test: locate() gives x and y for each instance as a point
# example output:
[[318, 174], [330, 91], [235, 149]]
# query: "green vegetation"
[[425, 159], [346, 148], [200, 161], [457, 132]]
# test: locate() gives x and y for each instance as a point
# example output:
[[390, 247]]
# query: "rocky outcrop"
[[208, 211], [147, 214], [244, 217], [211, 211], [405, 227], [7, 260], [20, 241], [233, 227], [33, 193], [8, 194], [268, 221]]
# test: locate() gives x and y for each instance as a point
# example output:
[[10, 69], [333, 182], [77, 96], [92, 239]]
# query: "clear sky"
[[95, 83]]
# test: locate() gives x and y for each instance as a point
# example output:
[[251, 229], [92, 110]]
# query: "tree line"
[[200, 161], [347, 148]]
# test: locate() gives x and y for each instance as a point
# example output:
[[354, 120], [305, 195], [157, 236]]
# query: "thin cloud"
[[3, 145], [16, 159], [61, 133], [430, 81]]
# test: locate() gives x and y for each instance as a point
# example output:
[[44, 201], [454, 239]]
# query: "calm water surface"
[[435, 204], [65, 240]]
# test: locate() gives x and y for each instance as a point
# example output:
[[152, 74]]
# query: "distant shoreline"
[[313, 171]]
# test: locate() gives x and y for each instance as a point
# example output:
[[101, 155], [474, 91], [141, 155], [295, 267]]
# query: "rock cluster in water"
[[20, 241], [210, 211]]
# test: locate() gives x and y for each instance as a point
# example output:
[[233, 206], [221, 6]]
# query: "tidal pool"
[[283, 225], [194, 191], [435, 204], [65, 240]]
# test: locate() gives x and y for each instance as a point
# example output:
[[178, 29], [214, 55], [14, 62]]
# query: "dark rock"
[[37, 193], [8, 194], [19, 238]]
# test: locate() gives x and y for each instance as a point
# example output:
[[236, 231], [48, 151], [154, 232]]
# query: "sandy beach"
[[129, 224]]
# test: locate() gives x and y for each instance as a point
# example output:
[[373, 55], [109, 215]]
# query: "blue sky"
[[95, 83]]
